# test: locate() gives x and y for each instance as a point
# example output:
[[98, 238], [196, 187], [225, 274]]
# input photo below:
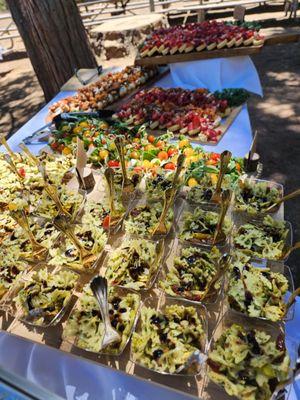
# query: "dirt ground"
[[276, 117]]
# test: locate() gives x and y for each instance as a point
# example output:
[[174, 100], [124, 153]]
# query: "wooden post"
[[239, 13], [55, 40], [201, 15], [152, 5]]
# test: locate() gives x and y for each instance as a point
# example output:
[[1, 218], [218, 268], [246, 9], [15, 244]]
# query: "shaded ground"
[[276, 117], [20, 94]]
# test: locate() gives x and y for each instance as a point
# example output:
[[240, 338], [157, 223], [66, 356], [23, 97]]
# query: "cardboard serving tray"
[[223, 127], [217, 53]]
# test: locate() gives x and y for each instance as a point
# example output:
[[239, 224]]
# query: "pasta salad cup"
[[256, 291], [12, 269], [254, 196], [134, 263], [85, 329], [187, 274], [41, 297], [98, 214], [157, 182], [169, 334], [70, 200], [197, 225], [267, 239], [16, 240], [144, 217], [91, 237], [248, 359], [125, 198], [202, 192]]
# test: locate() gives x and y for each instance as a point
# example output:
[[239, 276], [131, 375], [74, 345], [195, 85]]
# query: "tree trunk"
[[55, 40]]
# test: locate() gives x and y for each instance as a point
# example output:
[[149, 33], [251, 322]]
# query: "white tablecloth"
[[217, 74]]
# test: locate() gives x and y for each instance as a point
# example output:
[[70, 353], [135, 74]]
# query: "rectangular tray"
[[209, 54], [198, 55], [223, 127]]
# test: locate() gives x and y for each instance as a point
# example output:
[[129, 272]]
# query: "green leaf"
[[149, 155], [165, 137]]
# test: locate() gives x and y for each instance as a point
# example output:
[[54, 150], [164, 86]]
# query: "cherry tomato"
[[138, 170], [147, 164], [103, 154], [188, 152], [183, 143], [160, 144], [66, 151], [84, 124], [55, 145], [103, 125], [170, 165], [76, 130], [134, 155], [22, 172], [211, 162], [103, 141], [171, 152], [215, 156], [192, 182], [149, 147], [151, 138], [113, 163], [106, 222], [162, 155]]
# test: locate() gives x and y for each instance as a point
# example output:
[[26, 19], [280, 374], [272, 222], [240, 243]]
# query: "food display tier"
[[70, 88], [223, 127], [238, 137], [218, 53], [163, 71], [198, 387]]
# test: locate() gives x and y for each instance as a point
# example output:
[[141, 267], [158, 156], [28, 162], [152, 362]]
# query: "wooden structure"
[[119, 38], [209, 54], [96, 12]]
